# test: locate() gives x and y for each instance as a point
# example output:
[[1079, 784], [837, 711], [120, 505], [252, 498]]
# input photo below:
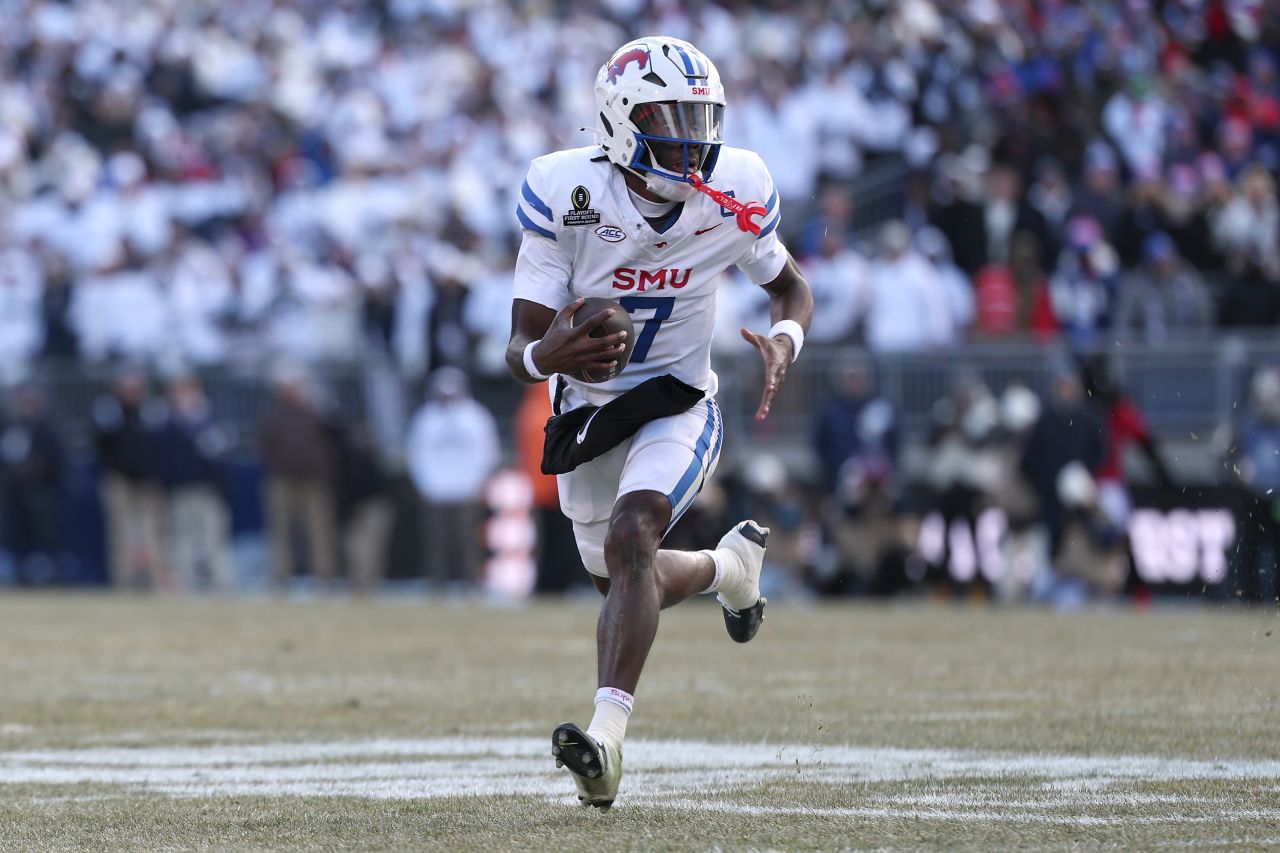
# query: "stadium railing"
[[1186, 389]]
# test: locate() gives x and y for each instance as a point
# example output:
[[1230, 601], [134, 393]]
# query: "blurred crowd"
[[1055, 494], [1014, 492], [200, 182], [250, 182], [163, 466]]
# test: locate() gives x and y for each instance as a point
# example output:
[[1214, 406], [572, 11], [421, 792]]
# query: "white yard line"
[[698, 775]]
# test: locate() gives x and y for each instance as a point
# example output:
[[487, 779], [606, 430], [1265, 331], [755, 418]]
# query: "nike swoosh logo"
[[582, 433], [705, 230]]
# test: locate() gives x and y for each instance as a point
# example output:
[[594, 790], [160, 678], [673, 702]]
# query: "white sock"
[[721, 560], [613, 709], [731, 576]]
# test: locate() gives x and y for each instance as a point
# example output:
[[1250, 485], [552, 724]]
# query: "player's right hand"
[[567, 348]]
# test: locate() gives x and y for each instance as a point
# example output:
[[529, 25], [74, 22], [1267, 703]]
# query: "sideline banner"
[[1183, 540]]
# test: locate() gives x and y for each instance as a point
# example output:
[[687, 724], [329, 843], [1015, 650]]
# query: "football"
[[619, 322]]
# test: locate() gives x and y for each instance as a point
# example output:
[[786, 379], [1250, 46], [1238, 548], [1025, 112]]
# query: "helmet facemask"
[[677, 139]]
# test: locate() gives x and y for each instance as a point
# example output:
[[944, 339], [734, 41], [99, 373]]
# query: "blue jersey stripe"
[[699, 454], [718, 427], [531, 225], [768, 229], [535, 202], [715, 451]]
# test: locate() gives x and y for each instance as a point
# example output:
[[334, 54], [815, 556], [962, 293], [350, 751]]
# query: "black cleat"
[[596, 769], [743, 624]]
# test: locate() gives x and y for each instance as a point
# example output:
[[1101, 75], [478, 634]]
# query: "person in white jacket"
[[910, 309], [451, 451]]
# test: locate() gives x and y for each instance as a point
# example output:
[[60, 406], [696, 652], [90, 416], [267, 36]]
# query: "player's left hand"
[[776, 353]]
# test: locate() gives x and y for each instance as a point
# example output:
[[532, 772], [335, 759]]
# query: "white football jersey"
[[584, 237]]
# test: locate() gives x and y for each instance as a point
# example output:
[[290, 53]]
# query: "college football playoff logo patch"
[[581, 214]]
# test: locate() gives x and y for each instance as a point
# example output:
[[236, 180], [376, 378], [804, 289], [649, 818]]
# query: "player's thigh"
[[674, 457], [588, 492], [637, 516], [671, 456]]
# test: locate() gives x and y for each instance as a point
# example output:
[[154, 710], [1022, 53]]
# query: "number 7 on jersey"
[[661, 307]]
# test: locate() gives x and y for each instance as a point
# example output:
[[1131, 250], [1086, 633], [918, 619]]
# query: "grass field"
[[165, 724]]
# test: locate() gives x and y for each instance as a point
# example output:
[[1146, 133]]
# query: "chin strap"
[[744, 211]]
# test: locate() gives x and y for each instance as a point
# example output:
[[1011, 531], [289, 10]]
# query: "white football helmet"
[[660, 113]]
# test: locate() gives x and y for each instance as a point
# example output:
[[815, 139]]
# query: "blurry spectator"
[[1083, 286], [832, 221], [1102, 197], [854, 421], [201, 299], [1050, 196], [58, 335], [1183, 217], [126, 425], [935, 249], [21, 285], [1025, 547], [961, 471], [487, 314], [1013, 297], [869, 542], [1090, 561], [909, 308], [1235, 145], [769, 493], [838, 278], [118, 311], [451, 451], [1066, 432], [1165, 299], [1135, 118], [364, 507], [1142, 218], [957, 212], [559, 564], [297, 451], [1256, 459], [1252, 296], [784, 130], [33, 473], [450, 340], [190, 451], [1006, 214], [1124, 426], [1247, 230]]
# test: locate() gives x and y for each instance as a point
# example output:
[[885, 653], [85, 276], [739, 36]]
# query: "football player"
[[623, 219]]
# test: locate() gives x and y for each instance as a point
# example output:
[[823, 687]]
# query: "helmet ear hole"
[[625, 102]]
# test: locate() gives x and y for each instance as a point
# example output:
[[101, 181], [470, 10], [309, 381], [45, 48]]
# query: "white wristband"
[[792, 330], [529, 366]]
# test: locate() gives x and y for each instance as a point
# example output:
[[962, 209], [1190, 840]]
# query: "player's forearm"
[[790, 297]]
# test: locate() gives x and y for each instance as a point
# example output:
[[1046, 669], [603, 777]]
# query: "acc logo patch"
[[611, 233], [581, 213]]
